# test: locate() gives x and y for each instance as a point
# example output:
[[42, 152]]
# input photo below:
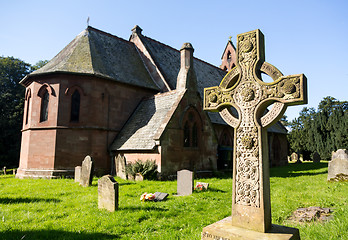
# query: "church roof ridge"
[[108, 34], [97, 53], [168, 46]]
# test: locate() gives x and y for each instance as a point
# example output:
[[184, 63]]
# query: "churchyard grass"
[[61, 209]]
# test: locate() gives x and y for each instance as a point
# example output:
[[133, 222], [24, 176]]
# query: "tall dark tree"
[[323, 131], [12, 70]]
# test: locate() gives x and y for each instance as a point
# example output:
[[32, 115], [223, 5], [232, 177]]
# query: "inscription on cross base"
[[243, 89]]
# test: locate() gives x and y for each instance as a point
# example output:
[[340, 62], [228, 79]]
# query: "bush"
[[147, 169]]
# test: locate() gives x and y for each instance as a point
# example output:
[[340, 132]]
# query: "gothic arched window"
[[187, 135], [45, 97], [194, 135], [229, 57], [28, 98], [191, 128], [75, 107]]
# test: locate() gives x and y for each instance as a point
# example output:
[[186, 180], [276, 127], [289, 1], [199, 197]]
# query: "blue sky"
[[301, 36]]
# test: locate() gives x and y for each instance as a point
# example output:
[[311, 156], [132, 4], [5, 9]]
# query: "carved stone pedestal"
[[223, 230]]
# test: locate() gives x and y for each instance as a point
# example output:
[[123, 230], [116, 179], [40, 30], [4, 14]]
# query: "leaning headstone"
[[316, 157], [86, 172], [338, 166], [77, 175], [107, 193], [184, 183], [243, 89], [120, 163], [294, 157], [160, 196]]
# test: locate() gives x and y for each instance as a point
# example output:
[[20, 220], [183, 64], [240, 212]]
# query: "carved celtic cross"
[[243, 89]]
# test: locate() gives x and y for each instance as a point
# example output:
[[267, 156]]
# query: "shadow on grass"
[[126, 183], [296, 170], [53, 234], [8, 200], [210, 189]]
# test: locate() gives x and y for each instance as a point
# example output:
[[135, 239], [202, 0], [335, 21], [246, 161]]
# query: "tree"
[[323, 131], [12, 70], [39, 64]]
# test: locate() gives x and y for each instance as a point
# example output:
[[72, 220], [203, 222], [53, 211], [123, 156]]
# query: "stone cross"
[[243, 89]]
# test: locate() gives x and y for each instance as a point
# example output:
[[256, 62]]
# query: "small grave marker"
[[316, 157], [184, 183], [139, 177], [160, 196], [77, 175], [294, 157], [86, 172], [107, 193]]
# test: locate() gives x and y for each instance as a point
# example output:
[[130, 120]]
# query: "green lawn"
[[61, 209]]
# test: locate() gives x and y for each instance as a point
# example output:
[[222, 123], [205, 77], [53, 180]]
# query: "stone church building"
[[122, 100]]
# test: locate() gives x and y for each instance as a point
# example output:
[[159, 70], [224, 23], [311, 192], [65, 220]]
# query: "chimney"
[[187, 76]]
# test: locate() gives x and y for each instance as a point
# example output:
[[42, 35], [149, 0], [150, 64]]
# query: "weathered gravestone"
[[77, 175], [184, 183], [4, 169], [107, 193], [138, 177], [86, 172], [120, 166], [316, 157], [243, 89], [338, 166]]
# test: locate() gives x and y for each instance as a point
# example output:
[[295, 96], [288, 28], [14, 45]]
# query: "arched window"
[[45, 97], [28, 98], [194, 135], [191, 128], [187, 135], [75, 106], [229, 57]]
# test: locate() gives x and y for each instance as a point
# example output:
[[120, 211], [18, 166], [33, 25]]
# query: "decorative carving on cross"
[[243, 89]]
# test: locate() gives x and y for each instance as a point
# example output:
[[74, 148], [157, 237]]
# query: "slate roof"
[[168, 61], [148, 122], [97, 53]]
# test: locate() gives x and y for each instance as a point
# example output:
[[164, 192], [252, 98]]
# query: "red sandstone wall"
[[143, 156], [228, 63], [60, 144], [174, 155]]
